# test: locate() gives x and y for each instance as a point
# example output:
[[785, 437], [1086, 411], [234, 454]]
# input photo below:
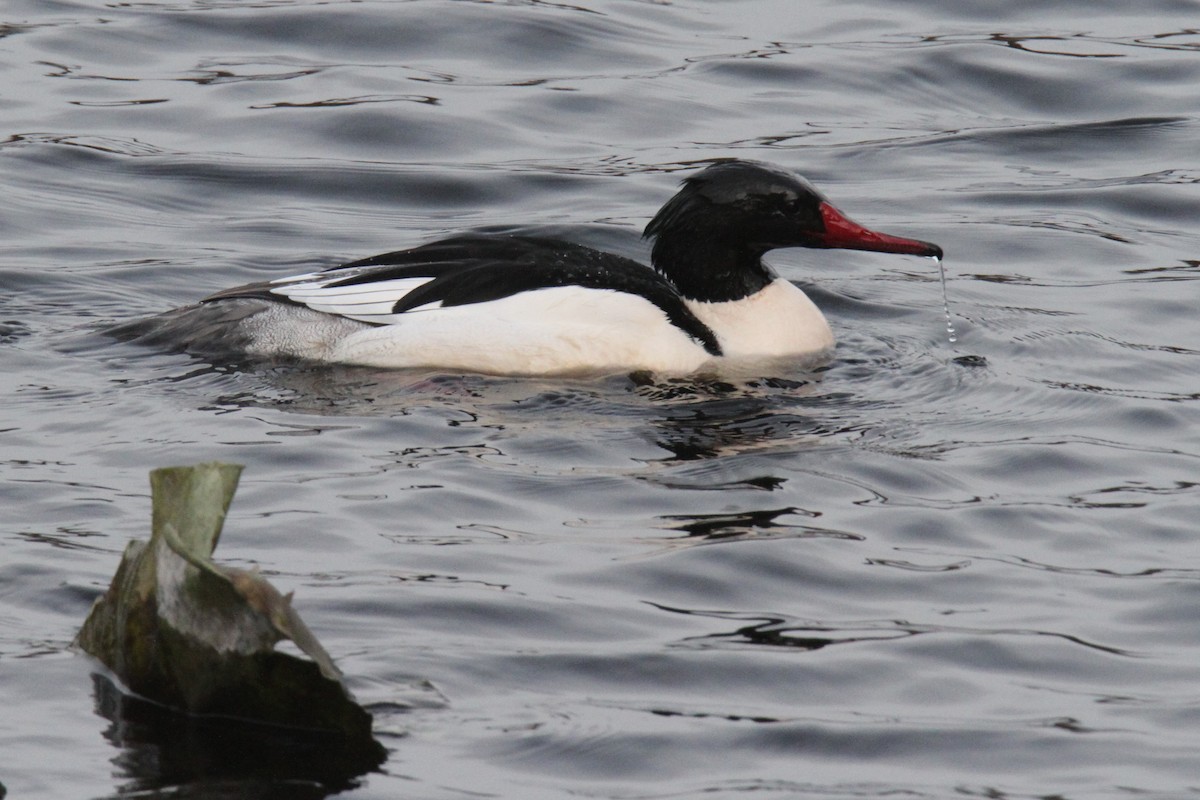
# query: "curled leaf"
[[187, 633]]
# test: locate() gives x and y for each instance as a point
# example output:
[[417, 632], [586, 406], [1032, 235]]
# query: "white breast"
[[779, 320]]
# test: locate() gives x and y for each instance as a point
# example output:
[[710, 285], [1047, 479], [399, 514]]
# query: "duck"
[[509, 304]]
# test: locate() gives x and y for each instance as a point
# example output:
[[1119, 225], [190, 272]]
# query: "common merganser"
[[525, 305]]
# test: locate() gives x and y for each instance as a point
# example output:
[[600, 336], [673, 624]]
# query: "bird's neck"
[[709, 269]]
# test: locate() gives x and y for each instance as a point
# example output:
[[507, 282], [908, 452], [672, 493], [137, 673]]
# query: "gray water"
[[930, 570]]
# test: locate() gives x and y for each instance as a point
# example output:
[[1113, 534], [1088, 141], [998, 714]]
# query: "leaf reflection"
[[161, 750]]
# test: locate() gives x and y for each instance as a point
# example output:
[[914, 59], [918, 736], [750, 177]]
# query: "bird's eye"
[[777, 205]]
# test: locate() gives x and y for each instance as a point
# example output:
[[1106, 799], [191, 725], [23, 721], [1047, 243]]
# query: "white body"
[[547, 331]]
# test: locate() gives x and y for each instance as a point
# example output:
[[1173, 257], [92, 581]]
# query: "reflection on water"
[[924, 569], [781, 631], [162, 751], [762, 523]]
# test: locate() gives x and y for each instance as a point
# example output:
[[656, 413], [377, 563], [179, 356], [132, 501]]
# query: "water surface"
[[931, 569]]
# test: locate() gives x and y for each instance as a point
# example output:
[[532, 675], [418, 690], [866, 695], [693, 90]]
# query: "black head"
[[711, 236]]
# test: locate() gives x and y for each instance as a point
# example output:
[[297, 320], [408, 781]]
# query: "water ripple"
[[924, 569]]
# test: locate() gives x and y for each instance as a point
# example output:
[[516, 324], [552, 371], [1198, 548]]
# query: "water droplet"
[[950, 334]]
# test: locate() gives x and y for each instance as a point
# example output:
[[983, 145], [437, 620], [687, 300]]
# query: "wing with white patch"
[[472, 269], [365, 302]]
